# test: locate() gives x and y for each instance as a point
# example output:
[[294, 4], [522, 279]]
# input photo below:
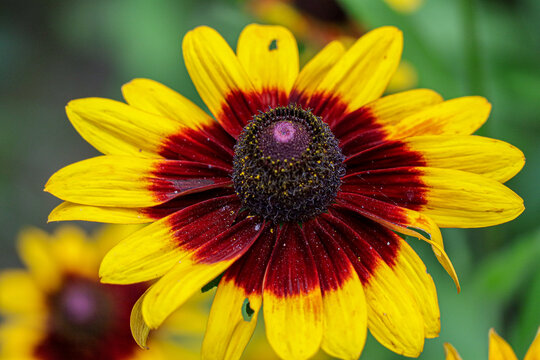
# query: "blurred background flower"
[[57, 309], [58, 50], [499, 349]]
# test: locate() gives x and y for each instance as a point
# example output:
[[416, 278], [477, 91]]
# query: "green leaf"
[[247, 311], [503, 273], [212, 284]]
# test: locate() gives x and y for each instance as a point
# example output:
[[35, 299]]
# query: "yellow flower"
[[58, 309], [293, 192], [405, 6], [499, 349]]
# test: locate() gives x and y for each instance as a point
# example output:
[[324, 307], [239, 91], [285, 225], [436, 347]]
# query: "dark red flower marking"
[[176, 204], [238, 108], [333, 265], [389, 154], [363, 258], [292, 270], [329, 107], [248, 271], [364, 242], [382, 240], [202, 222], [88, 320], [359, 130], [399, 186], [272, 98], [172, 178], [230, 244], [371, 208], [210, 145]]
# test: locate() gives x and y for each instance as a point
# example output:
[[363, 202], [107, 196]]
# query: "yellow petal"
[[139, 329], [145, 255], [412, 223], [459, 199], [155, 249], [294, 324], [124, 181], [175, 287], [216, 73], [120, 181], [237, 302], [413, 275], [113, 215], [498, 348], [491, 158], [269, 55], [345, 320], [394, 317], [316, 69], [451, 352], [344, 306], [293, 306], [391, 109], [106, 237], [362, 74], [205, 263], [156, 98], [228, 332], [115, 128], [461, 116]]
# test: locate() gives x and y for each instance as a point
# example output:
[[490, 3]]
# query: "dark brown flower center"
[[287, 165]]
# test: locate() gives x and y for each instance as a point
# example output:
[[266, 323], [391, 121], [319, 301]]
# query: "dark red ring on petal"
[[248, 271], [292, 270], [388, 154], [184, 201], [401, 187], [210, 145], [333, 265], [173, 178], [327, 106], [227, 245]]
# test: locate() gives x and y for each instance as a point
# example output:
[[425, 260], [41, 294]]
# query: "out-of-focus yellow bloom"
[[405, 6], [404, 78], [57, 308], [499, 349]]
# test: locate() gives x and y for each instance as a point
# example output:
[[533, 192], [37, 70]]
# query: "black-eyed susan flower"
[[499, 349], [293, 192], [58, 310]]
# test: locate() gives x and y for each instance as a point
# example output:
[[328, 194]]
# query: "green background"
[[57, 50]]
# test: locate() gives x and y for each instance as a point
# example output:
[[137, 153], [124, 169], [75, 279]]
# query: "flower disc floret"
[[287, 165]]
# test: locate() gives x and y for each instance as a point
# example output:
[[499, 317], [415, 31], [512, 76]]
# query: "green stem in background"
[[471, 50]]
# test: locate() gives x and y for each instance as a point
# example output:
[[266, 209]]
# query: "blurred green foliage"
[[54, 51]]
